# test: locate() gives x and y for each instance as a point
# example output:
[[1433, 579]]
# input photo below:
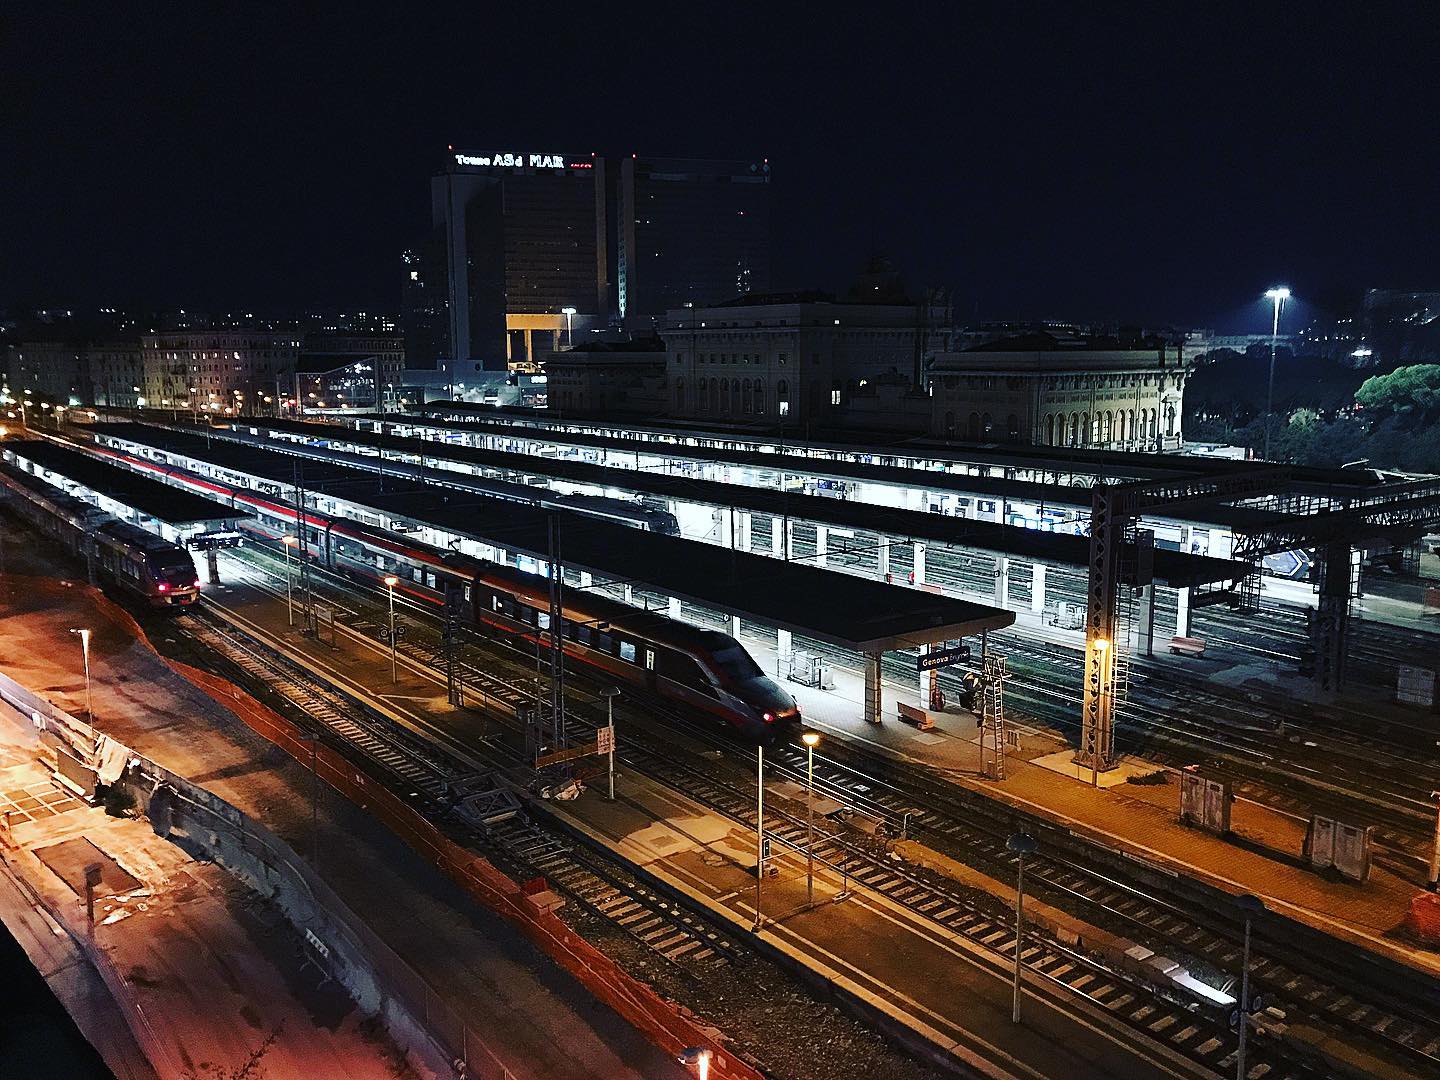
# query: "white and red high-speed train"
[[705, 669]]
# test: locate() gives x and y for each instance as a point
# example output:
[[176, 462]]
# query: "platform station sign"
[[942, 658]]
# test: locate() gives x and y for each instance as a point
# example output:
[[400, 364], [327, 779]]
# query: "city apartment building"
[[116, 373], [219, 370], [517, 249], [689, 232]]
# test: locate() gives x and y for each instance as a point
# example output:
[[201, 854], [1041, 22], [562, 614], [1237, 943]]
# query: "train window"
[[605, 643], [430, 578], [627, 651], [682, 669], [584, 634], [542, 620], [736, 662], [649, 659], [467, 594]]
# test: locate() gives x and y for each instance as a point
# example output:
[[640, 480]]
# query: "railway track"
[[516, 841], [1188, 1027], [1395, 1026]]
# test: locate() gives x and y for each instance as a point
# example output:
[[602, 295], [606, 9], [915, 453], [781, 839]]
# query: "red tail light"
[[769, 718]]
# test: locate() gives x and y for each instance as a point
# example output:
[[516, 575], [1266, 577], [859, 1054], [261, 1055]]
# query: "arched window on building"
[[760, 397], [747, 400], [1074, 439], [680, 394], [987, 425], [1085, 429], [972, 430], [1012, 427], [734, 396], [1109, 433], [1169, 419], [949, 425], [1050, 430]]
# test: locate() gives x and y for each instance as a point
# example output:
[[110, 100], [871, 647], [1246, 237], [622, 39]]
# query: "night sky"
[[1154, 164]]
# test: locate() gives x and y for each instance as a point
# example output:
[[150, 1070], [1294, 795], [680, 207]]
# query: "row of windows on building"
[[1077, 382], [735, 358], [1109, 426], [733, 397]]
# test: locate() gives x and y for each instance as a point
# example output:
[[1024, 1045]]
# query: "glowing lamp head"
[[391, 581], [290, 541], [163, 587], [811, 739], [1102, 644], [1281, 293], [769, 718]]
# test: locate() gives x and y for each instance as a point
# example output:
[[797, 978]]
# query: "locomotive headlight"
[[769, 718]]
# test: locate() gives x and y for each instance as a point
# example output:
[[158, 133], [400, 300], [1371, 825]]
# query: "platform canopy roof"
[[840, 609], [1110, 465], [1179, 569], [151, 498]]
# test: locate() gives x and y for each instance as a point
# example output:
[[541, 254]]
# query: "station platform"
[[898, 964], [1139, 818]]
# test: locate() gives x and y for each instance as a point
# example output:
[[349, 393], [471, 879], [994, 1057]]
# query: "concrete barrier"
[[208, 827]]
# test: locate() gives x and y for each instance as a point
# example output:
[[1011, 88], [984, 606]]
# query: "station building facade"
[[1046, 390], [785, 358], [613, 379]]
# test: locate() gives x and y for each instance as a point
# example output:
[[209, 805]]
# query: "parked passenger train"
[[137, 562], [702, 668]]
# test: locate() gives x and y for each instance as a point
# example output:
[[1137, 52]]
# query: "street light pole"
[[610, 693], [1251, 906], [1021, 844], [390, 582], [569, 314], [1278, 297], [85, 652], [1434, 875], [811, 739], [289, 542], [759, 830]]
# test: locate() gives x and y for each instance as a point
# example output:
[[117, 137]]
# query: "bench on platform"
[[919, 717], [1187, 646]]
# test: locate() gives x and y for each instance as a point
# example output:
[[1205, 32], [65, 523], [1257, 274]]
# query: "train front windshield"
[[737, 663], [175, 569]]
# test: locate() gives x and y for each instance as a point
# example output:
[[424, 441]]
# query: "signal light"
[[163, 587], [769, 719]]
